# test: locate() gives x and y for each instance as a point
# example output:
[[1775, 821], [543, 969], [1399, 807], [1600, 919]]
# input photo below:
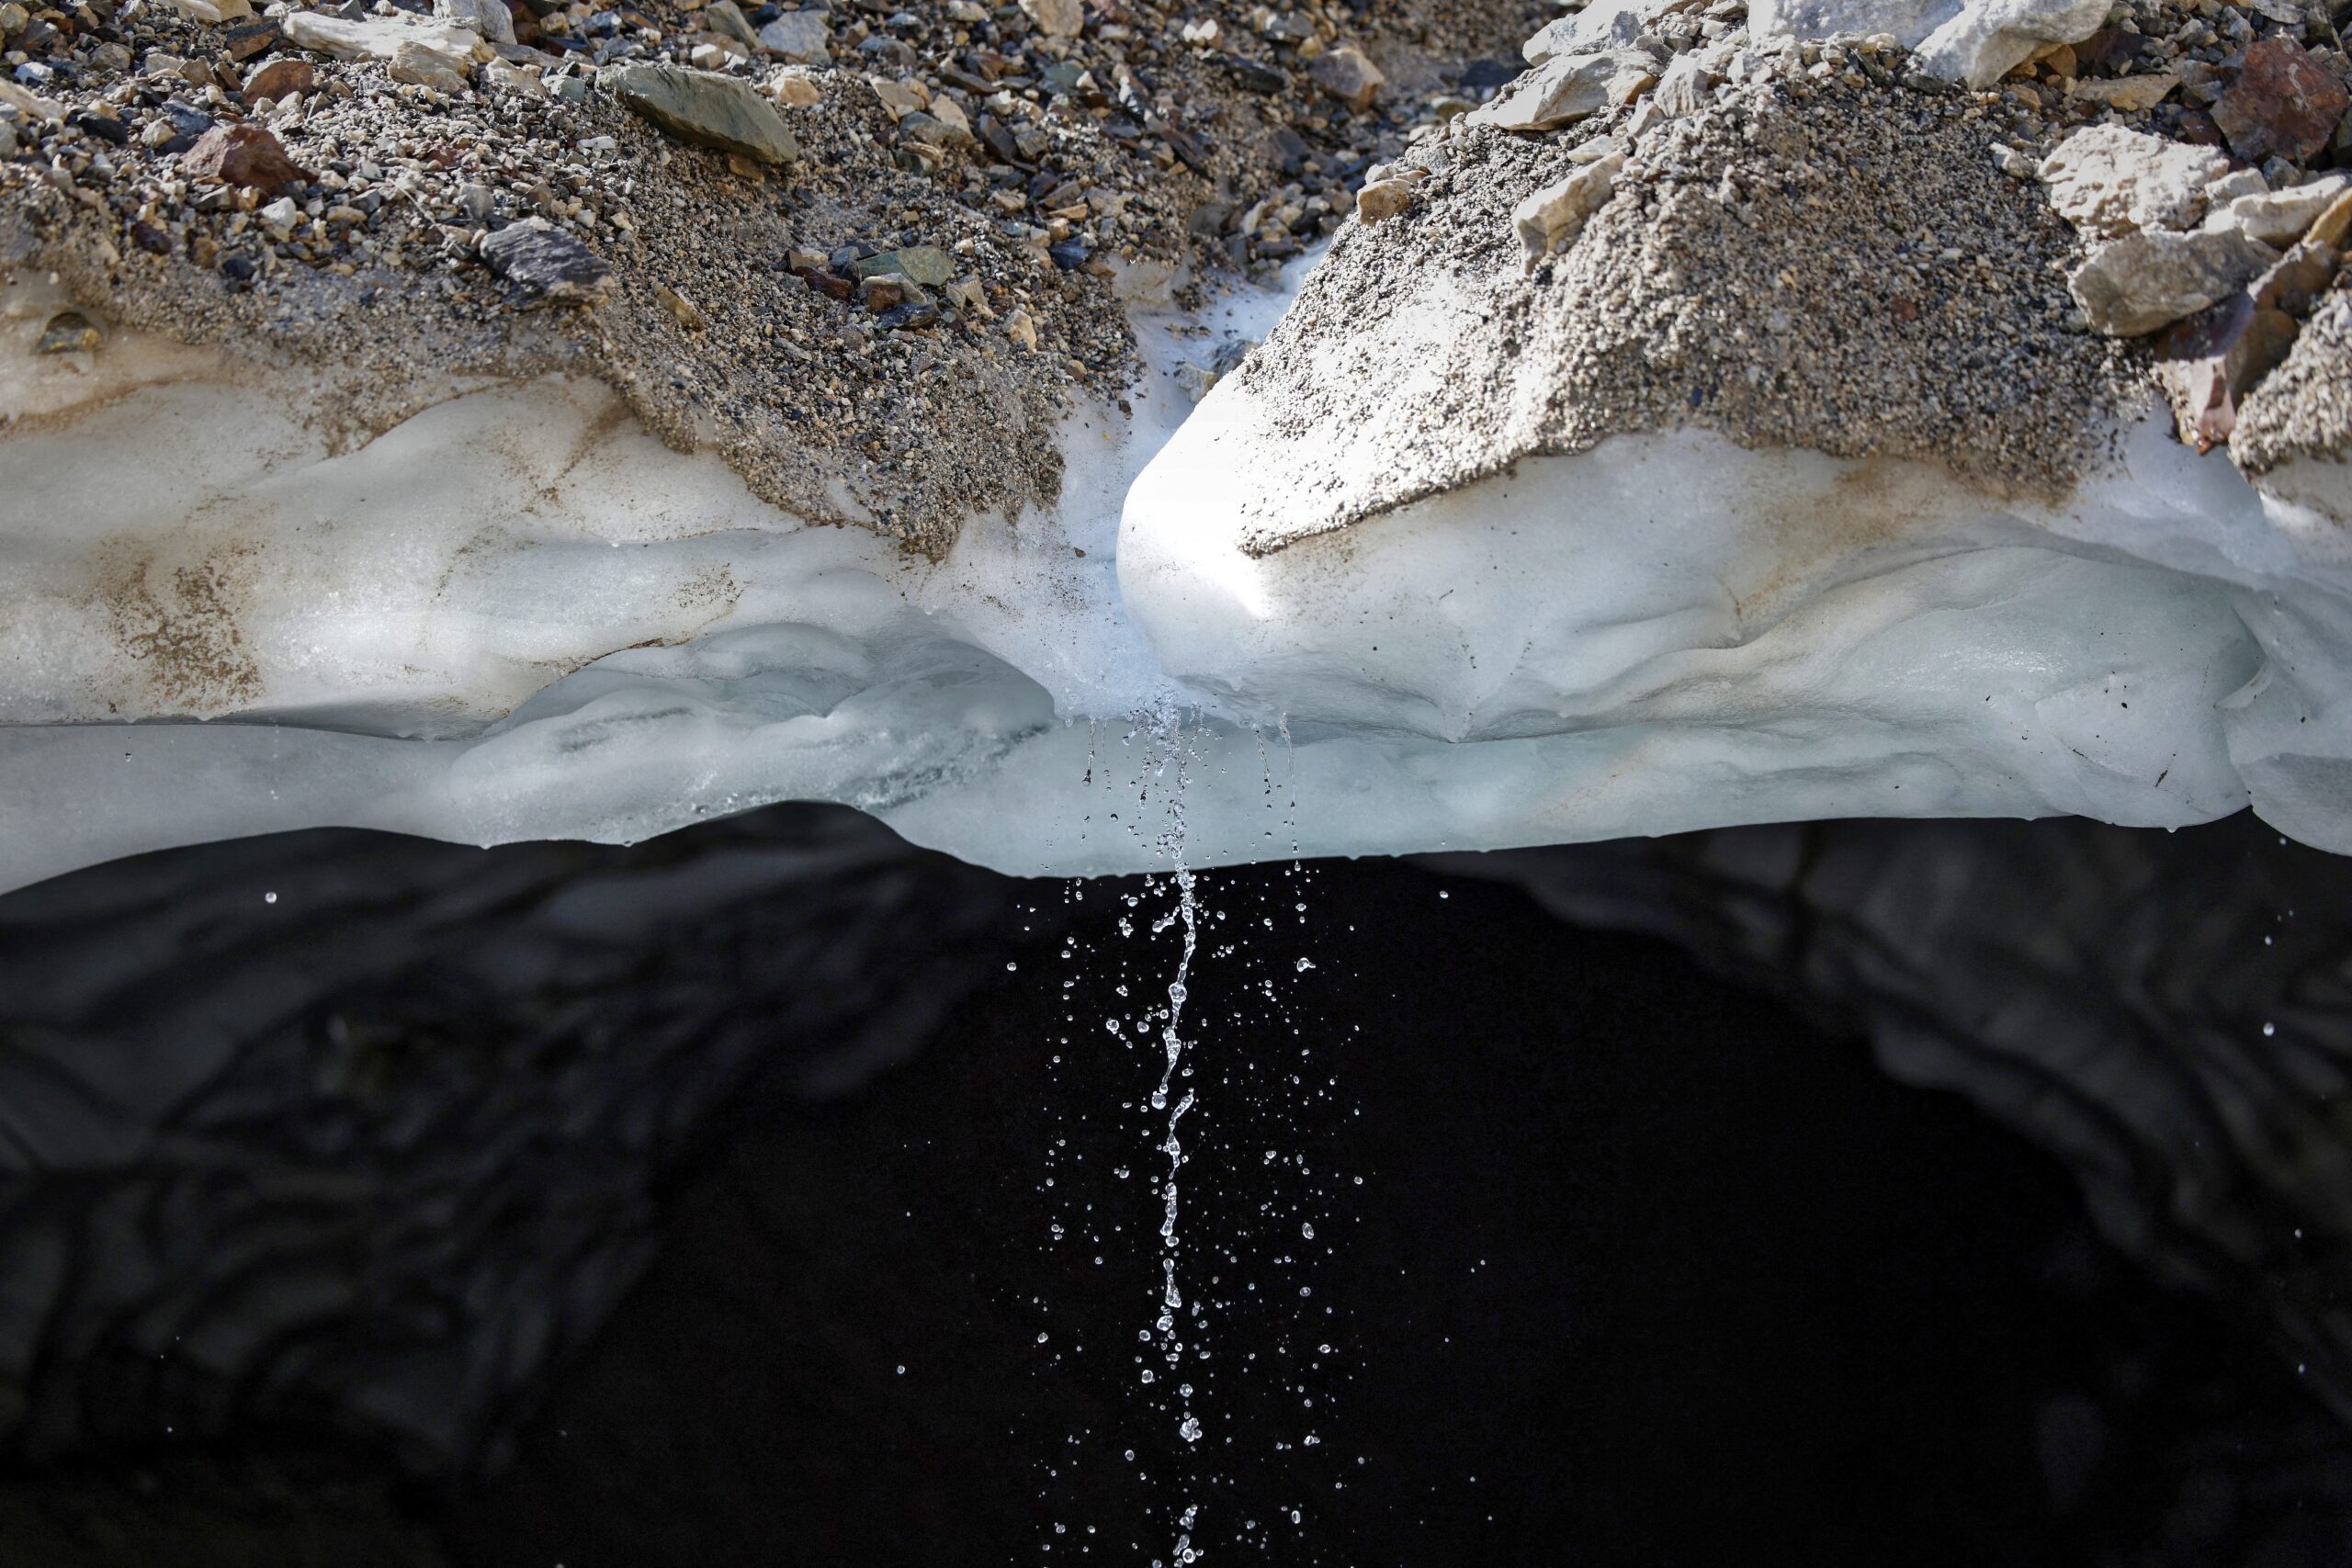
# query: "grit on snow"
[[1711, 424]]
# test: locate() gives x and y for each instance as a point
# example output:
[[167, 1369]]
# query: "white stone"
[[1554, 216], [2108, 181], [1569, 87], [1602, 24], [1977, 41], [2280, 218], [382, 37]]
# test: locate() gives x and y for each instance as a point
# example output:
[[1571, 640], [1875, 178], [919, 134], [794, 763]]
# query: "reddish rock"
[[2285, 104], [279, 78], [242, 156]]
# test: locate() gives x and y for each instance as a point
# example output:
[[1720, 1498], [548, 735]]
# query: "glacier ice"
[[516, 616]]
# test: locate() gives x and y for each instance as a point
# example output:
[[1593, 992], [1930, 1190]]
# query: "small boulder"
[[2284, 105], [1348, 75], [2280, 218], [546, 265], [2154, 278], [1570, 88], [490, 19], [2110, 182], [243, 155], [423, 67], [1382, 199], [280, 79], [703, 107], [70, 332], [797, 38]]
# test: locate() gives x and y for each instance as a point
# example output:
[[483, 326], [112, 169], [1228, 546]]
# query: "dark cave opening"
[[1643, 1265]]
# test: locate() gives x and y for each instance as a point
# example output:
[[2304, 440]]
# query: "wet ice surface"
[[513, 617]]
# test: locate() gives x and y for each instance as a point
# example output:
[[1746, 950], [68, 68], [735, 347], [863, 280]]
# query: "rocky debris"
[[547, 265], [1346, 75], [2210, 363], [243, 155], [2109, 181], [1603, 25], [489, 17], [703, 107], [1045, 168], [2283, 104], [1818, 256], [1570, 87], [797, 38], [1555, 215], [1056, 19], [2151, 279], [70, 332], [1977, 41]]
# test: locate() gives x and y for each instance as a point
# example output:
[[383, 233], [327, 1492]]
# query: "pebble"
[[70, 332]]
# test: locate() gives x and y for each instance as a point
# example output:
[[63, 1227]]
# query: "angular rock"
[[1382, 199], [1989, 39], [925, 265], [70, 332], [724, 112], [2110, 182], [490, 19], [420, 66], [1055, 18], [727, 20], [2154, 278], [547, 265], [380, 37], [2282, 216], [1604, 24], [2129, 94], [2284, 105], [1907, 20], [1348, 75], [1554, 216], [798, 38], [794, 90], [1977, 41], [279, 79], [243, 154], [1568, 89]]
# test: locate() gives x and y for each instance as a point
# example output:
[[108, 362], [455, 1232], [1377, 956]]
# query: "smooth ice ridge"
[[516, 616]]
